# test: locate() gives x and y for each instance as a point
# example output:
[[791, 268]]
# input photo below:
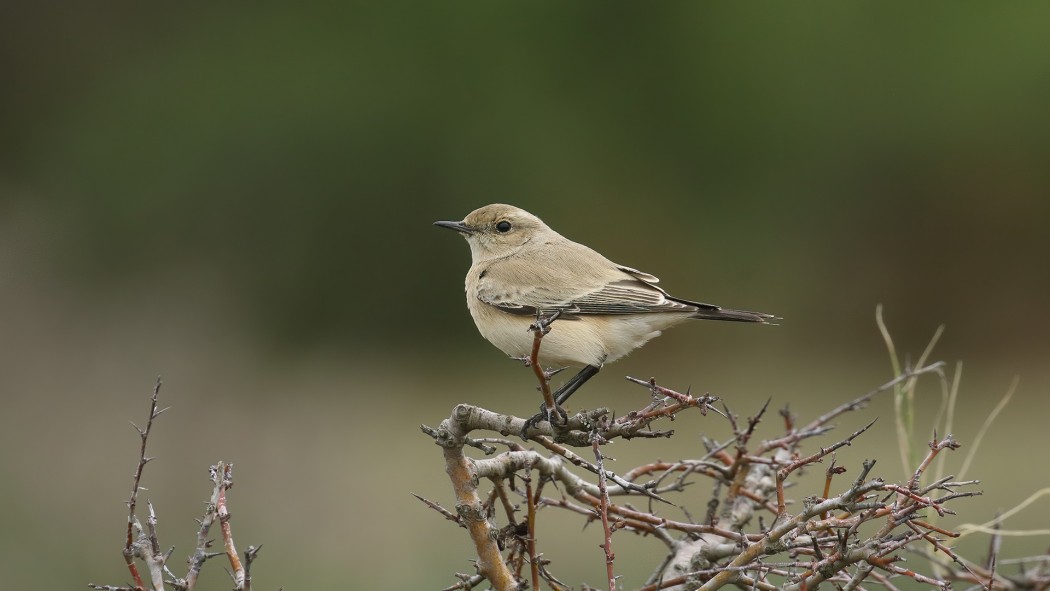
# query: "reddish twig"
[[935, 448], [828, 475], [222, 476], [539, 329], [783, 472], [932, 527]]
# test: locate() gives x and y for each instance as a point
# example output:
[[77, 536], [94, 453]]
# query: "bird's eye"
[[503, 227]]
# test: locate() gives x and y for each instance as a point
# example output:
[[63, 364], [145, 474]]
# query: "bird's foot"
[[545, 414]]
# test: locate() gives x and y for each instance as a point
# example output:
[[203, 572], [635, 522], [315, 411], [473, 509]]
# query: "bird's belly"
[[569, 342], [585, 340], [623, 334]]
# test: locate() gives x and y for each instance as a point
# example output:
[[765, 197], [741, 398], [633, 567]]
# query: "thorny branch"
[[131, 548], [603, 512], [819, 534], [144, 544], [541, 327]]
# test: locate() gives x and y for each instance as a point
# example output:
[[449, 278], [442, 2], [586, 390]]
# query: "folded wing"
[[631, 292]]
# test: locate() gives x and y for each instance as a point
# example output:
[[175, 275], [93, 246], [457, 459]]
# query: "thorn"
[[550, 373], [716, 411], [140, 431]]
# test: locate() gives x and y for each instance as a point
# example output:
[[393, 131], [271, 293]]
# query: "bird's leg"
[[560, 397], [545, 414], [574, 384]]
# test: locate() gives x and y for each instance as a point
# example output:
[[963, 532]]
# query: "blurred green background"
[[239, 197]]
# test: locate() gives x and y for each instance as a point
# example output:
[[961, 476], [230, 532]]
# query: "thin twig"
[[530, 520], [441, 510], [129, 553], [603, 513], [539, 329]]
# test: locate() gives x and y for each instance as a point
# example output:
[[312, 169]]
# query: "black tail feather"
[[716, 313]]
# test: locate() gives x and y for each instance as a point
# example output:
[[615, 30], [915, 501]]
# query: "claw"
[[561, 413], [529, 423], [541, 416]]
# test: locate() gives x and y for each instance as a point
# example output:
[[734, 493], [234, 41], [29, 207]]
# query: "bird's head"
[[498, 230]]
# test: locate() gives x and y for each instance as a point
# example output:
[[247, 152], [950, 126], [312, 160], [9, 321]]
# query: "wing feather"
[[624, 296], [596, 287], [577, 281]]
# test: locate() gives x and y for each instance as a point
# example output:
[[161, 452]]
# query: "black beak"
[[457, 226]]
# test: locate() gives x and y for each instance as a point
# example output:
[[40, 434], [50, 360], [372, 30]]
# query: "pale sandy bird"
[[522, 268]]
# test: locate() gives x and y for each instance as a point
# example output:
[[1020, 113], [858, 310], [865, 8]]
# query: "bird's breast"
[[569, 342]]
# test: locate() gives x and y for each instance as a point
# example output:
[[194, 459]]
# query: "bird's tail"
[[709, 312]]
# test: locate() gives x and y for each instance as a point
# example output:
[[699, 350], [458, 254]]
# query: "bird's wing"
[[621, 290], [641, 276], [628, 296]]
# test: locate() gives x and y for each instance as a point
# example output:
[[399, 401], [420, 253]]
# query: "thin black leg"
[[574, 384], [560, 397]]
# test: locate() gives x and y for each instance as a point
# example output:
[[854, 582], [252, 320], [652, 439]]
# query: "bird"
[[521, 270]]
